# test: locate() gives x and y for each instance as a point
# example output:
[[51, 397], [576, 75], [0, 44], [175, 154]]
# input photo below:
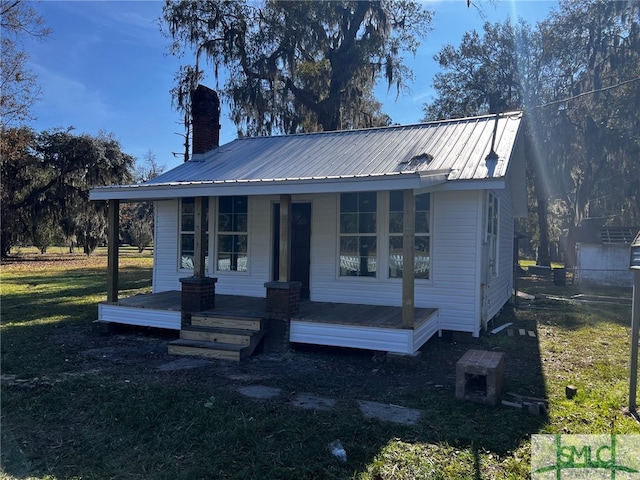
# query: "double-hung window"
[[492, 233], [358, 247], [187, 232], [422, 254], [232, 234]]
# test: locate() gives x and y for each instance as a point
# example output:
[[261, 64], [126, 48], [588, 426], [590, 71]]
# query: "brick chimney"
[[205, 120]]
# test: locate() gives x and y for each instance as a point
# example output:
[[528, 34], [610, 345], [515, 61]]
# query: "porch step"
[[227, 321], [223, 350], [225, 337], [195, 348], [221, 335]]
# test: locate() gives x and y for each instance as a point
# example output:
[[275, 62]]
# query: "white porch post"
[[200, 240], [285, 238], [113, 220], [408, 254]]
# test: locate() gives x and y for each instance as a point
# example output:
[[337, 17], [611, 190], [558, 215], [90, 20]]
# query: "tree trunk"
[[5, 244], [543, 258]]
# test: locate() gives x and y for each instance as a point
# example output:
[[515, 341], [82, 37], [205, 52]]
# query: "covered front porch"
[[368, 327]]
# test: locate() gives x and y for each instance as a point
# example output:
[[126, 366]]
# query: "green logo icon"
[[558, 457]]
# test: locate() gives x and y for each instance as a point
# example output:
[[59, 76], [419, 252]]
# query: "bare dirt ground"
[[303, 374]]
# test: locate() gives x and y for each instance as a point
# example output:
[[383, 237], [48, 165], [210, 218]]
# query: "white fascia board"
[[266, 187], [456, 185]]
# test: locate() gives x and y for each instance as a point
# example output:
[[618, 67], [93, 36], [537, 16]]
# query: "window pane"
[[224, 222], [396, 201], [422, 260], [367, 223], [224, 243], [188, 205], [224, 261], [358, 256], [422, 222], [240, 204], [349, 245], [186, 262], [187, 242], [241, 264], [422, 245], [395, 245], [423, 202], [240, 243], [367, 201], [240, 222], [349, 259], [349, 223], [395, 222], [348, 202], [395, 256], [225, 204], [188, 223], [368, 252]]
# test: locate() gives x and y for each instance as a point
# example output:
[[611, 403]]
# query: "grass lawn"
[[77, 404]]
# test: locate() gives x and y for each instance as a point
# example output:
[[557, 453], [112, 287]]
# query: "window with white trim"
[[187, 232], [422, 252], [233, 236], [492, 233], [358, 242]]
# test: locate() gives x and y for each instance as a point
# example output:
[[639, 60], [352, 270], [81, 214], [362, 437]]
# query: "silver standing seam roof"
[[409, 156]]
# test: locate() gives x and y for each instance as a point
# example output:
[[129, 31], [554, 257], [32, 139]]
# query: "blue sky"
[[105, 67]]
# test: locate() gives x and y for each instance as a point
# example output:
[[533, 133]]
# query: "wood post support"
[[113, 243], [408, 254], [200, 240], [285, 239]]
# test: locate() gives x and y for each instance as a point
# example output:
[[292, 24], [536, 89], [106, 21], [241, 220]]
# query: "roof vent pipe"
[[492, 155]]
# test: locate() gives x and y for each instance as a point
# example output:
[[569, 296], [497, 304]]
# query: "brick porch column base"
[[283, 302], [198, 294]]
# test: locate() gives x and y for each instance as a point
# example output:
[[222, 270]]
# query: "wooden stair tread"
[[230, 347], [228, 321], [224, 330], [231, 315]]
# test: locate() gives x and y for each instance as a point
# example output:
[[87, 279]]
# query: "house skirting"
[[384, 339], [318, 323]]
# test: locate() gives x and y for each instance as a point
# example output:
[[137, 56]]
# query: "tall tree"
[[46, 180], [18, 85], [597, 65], [577, 75], [297, 65], [497, 71], [137, 219]]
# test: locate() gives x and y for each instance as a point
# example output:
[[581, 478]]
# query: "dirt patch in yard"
[[140, 354]]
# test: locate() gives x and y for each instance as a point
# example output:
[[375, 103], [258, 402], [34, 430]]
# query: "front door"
[[300, 245]]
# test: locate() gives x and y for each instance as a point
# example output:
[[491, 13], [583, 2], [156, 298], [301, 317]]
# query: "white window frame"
[[182, 262], [244, 265], [374, 235]]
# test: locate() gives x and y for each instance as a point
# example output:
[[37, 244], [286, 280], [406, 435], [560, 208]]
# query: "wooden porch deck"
[[315, 312]]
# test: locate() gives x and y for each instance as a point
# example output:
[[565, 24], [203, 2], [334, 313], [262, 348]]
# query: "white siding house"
[[467, 178]]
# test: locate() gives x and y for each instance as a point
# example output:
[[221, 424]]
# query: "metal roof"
[[592, 233], [451, 150]]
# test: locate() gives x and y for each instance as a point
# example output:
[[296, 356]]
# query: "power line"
[[568, 99]]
